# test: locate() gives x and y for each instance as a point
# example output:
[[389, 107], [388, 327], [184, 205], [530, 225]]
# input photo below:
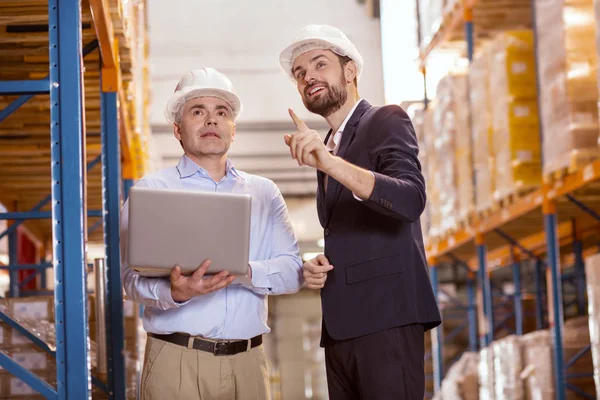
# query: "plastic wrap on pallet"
[[450, 122], [567, 62], [515, 135], [592, 273], [485, 370], [538, 370], [508, 362], [432, 187], [462, 145], [480, 104], [461, 381]]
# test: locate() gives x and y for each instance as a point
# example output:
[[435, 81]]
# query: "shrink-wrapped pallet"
[[508, 363], [451, 139], [480, 105], [592, 272], [485, 371], [567, 62], [515, 134], [461, 381]]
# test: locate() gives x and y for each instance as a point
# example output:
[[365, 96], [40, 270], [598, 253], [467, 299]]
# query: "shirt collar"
[[336, 137], [343, 125], [187, 168]]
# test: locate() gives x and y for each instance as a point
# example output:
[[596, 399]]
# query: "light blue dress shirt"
[[237, 311]]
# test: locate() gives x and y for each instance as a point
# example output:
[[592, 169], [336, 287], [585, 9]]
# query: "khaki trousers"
[[173, 372]]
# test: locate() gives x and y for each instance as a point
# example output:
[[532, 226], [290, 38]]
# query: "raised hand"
[[307, 147]]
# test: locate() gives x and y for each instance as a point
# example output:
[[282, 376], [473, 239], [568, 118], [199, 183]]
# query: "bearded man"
[[376, 295]]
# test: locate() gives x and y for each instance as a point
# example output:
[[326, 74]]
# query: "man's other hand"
[[184, 288], [315, 272]]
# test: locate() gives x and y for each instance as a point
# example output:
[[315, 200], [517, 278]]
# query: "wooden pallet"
[[578, 161], [513, 197]]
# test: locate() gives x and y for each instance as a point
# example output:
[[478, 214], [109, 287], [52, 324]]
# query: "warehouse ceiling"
[[242, 39]]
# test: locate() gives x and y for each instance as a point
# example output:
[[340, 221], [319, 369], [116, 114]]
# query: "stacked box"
[[508, 364], [568, 64], [481, 123], [592, 272], [36, 314], [515, 134]]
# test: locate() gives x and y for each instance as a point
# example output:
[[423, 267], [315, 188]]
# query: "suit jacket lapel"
[[334, 188]]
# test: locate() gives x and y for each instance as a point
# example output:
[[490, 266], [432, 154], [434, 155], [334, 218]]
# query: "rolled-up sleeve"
[[281, 273], [151, 292]]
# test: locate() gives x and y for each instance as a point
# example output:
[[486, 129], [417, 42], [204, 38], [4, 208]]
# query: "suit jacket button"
[[326, 231]]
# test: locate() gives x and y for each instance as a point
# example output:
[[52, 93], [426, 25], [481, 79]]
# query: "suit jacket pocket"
[[374, 268]]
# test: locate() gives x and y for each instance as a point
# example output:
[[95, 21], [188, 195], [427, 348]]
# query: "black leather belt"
[[218, 348]]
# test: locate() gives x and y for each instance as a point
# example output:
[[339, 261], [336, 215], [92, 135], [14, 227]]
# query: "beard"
[[329, 102]]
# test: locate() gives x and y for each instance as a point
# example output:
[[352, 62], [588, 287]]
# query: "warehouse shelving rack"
[[554, 226], [63, 41]]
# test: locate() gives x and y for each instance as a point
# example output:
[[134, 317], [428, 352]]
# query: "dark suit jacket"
[[380, 278]]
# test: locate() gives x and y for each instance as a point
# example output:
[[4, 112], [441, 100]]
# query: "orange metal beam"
[[519, 208], [575, 181], [104, 31]]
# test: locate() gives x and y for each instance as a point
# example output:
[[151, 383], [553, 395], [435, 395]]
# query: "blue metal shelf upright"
[[69, 203]]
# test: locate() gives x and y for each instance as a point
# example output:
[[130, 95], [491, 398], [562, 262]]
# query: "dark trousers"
[[383, 365]]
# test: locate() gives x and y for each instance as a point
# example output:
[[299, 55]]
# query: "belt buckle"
[[217, 346]]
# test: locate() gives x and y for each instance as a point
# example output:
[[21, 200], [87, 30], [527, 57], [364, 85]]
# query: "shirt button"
[[326, 231]]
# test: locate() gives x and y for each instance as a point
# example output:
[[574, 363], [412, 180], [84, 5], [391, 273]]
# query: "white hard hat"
[[204, 82], [322, 37]]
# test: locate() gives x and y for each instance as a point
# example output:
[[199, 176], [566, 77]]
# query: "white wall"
[[243, 39]]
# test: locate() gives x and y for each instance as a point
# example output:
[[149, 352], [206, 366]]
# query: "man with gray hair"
[[376, 295], [205, 334]]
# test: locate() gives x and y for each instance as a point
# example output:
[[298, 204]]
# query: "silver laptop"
[[176, 227]]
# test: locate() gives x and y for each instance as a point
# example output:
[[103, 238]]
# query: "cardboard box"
[[33, 308]]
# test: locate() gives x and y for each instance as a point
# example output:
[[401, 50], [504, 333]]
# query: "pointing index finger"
[[297, 121]]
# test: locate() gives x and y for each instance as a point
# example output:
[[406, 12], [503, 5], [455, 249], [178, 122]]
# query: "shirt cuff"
[[163, 290], [259, 275], [355, 196]]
